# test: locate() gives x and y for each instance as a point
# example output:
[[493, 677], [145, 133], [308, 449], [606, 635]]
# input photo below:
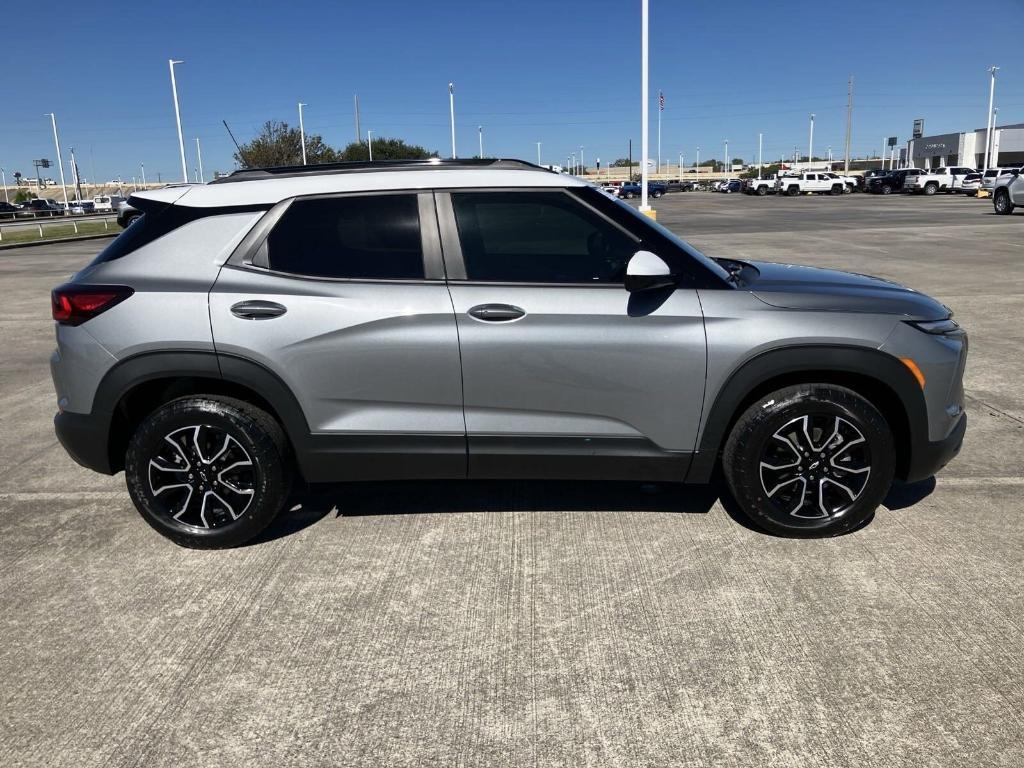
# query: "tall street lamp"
[[3, 175], [990, 124], [177, 119], [60, 160], [810, 142], [199, 155], [142, 167], [451, 112], [369, 143], [302, 132], [583, 168], [480, 136], [538, 154], [727, 167], [644, 91]]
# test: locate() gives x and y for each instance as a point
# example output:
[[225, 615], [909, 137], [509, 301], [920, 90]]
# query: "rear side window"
[[364, 237], [155, 223]]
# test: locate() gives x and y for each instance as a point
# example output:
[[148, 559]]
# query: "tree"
[[385, 149], [622, 162], [767, 172], [279, 144], [22, 196]]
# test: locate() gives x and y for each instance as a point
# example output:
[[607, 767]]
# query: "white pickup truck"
[[937, 180], [809, 182]]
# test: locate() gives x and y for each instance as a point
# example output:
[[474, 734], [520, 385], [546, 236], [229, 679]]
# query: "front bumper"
[[84, 436], [929, 457]]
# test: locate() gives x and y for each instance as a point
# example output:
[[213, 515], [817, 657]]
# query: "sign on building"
[[891, 142]]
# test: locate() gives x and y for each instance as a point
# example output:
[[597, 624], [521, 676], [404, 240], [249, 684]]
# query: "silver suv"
[[481, 319]]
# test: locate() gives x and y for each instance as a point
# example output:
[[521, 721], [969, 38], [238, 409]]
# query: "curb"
[[12, 246]]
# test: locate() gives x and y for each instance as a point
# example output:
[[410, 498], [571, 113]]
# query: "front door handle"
[[258, 310], [496, 312]]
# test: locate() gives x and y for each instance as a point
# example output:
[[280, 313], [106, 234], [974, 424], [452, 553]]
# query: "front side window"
[[538, 237], [371, 237]]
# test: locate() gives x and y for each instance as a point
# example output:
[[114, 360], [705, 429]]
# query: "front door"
[[345, 302], [566, 374]]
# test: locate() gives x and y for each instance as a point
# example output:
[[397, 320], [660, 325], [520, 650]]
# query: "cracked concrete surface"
[[544, 624]]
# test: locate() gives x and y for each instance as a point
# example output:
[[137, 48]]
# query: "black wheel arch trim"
[[778, 364]]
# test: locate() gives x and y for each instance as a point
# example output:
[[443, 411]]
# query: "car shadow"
[[308, 505]]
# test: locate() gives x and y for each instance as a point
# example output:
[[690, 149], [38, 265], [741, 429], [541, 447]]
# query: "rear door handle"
[[258, 310], [496, 313]]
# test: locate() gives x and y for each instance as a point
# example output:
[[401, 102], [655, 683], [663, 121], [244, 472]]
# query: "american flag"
[[661, 101]]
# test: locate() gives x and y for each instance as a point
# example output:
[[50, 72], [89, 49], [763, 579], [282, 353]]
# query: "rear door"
[[343, 299], [565, 374]]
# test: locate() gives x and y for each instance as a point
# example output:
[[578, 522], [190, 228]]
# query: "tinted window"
[[364, 237], [538, 237]]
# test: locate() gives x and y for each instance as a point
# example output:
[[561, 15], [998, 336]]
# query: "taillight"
[[74, 304]]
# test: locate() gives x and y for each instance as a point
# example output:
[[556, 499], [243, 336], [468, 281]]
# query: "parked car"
[[678, 186], [873, 173], [944, 179], [8, 210], [849, 182], [1008, 192], [891, 182], [83, 206], [126, 214], [732, 185], [630, 189], [970, 185], [107, 203], [759, 187], [475, 325], [988, 178], [798, 183], [40, 206]]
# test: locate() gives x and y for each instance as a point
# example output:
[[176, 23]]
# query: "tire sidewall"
[[270, 468], [757, 425]]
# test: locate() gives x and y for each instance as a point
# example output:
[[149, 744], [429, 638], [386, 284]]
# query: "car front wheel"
[[809, 460], [1002, 203], [208, 472]]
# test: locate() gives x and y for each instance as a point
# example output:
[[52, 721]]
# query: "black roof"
[[362, 166]]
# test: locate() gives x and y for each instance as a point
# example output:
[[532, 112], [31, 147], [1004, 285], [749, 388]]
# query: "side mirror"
[[647, 271]]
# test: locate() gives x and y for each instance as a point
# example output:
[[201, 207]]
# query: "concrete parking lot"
[[569, 624]]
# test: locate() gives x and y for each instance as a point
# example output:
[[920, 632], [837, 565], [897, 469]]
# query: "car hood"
[[790, 286]]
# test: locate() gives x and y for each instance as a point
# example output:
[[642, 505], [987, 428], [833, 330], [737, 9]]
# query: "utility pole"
[[728, 164], [583, 168], [680, 167], [644, 118], [629, 169], [199, 154], [451, 110], [810, 142], [369, 143], [75, 175], [177, 119], [359, 134], [60, 160], [302, 133], [760, 164], [538, 153], [142, 167], [480, 135], [849, 124], [989, 124], [698, 163], [3, 175]]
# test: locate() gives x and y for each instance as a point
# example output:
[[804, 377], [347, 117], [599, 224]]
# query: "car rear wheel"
[[793, 191], [762, 191], [837, 189], [208, 472], [886, 189], [1002, 203], [810, 460], [931, 188]]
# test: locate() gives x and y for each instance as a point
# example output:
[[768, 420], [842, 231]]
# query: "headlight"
[[937, 327]]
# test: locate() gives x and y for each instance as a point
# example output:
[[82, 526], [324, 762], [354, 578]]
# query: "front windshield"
[[711, 264]]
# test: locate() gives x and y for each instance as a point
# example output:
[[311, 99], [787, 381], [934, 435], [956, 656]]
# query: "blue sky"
[[564, 73]]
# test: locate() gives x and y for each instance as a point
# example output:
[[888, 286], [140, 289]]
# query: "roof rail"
[[363, 166]]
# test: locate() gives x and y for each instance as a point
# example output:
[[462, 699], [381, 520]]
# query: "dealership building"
[[968, 148]]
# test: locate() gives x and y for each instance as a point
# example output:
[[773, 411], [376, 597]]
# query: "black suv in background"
[[891, 182]]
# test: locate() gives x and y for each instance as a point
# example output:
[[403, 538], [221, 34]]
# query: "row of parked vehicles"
[[953, 179], [42, 207]]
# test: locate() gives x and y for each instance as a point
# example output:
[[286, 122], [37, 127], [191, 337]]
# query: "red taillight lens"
[[74, 304]]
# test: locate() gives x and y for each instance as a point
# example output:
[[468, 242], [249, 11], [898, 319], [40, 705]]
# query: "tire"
[[886, 189], [628, 195], [1001, 203], [817, 502], [837, 189], [762, 191], [236, 456], [793, 190], [931, 188]]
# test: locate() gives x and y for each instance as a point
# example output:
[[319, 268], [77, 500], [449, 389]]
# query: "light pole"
[[302, 132], [810, 143], [480, 135], [369, 143], [573, 166], [451, 111], [990, 124], [60, 160], [680, 167], [142, 167], [698, 163], [3, 174], [992, 142], [644, 118], [760, 164], [177, 119], [727, 166], [583, 168], [538, 153], [199, 154], [830, 157]]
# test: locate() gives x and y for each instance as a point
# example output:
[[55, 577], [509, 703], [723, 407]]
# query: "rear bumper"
[[928, 457], [84, 437]]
